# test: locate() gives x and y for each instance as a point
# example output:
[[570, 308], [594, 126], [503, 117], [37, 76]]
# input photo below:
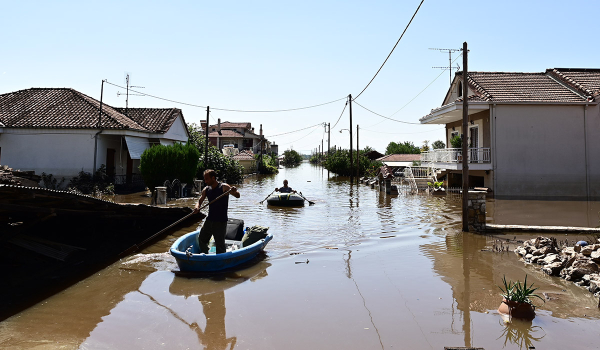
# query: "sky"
[[273, 55]]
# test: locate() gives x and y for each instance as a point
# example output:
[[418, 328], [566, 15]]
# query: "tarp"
[[136, 146]]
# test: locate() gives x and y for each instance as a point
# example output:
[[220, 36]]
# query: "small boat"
[[286, 200], [190, 259]]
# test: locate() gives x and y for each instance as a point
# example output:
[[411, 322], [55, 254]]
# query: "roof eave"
[[452, 112]]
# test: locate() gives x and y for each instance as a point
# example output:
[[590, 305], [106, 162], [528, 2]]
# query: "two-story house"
[[530, 135], [240, 135]]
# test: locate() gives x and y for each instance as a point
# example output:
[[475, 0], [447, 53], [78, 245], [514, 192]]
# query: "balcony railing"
[[454, 155]]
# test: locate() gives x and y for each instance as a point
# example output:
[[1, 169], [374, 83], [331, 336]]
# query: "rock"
[[538, 252], [577, 248], [568, 251], [587, 250], [521, 251], [550, 259], [569, 262], [594, 286], [528, 256], [580, 268], [596, 256], [553, 269], [535, 259], [543, 242]]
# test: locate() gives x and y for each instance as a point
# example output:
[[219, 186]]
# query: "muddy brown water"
[[358, 270]]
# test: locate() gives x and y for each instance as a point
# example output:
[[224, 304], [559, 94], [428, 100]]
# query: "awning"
[[136, 146]]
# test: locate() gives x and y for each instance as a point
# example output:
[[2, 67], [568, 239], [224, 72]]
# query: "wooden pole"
[[351, 165], [357, 156], [99, 127], [465, 140], [206, 141]]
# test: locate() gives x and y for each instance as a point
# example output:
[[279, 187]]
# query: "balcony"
[[451, 158]]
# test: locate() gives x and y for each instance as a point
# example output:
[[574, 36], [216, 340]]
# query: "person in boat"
[[285, 188], [215, 224]]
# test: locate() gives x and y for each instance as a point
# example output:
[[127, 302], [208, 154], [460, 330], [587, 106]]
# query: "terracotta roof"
[[586, 80], [67, 108], [226, 133], [59, 108], [153, 119], [400, 158], [521, 87], [243, 155], [241, 125]]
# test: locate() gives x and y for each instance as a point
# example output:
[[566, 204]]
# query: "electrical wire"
[[290, 132], [413, 16], [341, 114], [383, 116], [224, 109], [402, 133], [313, 130]]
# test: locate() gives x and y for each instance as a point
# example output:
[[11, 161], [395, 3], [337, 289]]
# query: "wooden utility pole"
[[206, 141], [99, 127], [357, 157], [322, 150], [465, 140], [351, 165], [328, 139]]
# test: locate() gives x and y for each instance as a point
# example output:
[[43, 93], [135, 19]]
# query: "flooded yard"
[[357, 270]]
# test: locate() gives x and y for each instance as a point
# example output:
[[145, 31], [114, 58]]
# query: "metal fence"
[[454, 155]]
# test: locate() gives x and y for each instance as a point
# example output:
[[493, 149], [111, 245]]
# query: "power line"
[[341, 114], [313, 130], [229, 110], [290, 132], [402, 133], [363, 90], [383, 116]]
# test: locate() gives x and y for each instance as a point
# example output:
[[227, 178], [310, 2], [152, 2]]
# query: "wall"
[[62, 153], [540, 151], [178, 131], [481, 119], [117, 143]]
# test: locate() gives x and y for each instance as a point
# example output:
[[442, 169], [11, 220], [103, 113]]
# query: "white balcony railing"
[[454, 155]]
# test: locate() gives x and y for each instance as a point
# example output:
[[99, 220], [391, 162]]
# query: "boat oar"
[[261, 202], [136, 247], [309, 202]]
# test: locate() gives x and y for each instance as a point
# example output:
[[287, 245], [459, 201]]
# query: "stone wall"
[[476, 208]]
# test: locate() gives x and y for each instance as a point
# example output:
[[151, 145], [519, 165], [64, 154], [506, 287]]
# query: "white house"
[[61, 131], [530, 135]]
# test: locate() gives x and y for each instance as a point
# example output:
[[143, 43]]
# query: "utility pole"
[[322, 150], [206, 141], [351, 165], [99, 127], [328, 139], [357, 157], [465, 139]]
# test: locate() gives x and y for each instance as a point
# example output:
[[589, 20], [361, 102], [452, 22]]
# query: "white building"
[[61, 131]]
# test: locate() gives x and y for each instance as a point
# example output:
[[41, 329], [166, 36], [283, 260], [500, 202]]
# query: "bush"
[[268, 165], [160, 163], [339, 162], [456, 141], [226, 168], [316, 158], [439, 144], [97, 184], [292, 158]]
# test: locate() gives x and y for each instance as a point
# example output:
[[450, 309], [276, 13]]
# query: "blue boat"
[[190, 259]]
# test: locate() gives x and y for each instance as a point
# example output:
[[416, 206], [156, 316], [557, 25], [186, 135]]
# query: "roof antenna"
[[449, 68], [127, 81]]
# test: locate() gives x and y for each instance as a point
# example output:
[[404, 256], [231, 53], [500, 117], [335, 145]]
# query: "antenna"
[[449, 68], [127, 82]]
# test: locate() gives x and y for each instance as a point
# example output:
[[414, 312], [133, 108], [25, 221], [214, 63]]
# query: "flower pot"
[[439, 192], [515, 309]]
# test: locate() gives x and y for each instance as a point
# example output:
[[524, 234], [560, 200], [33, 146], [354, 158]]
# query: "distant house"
[[60, 131], [399, 161], [530, 135], [247, 160], [240, 135]]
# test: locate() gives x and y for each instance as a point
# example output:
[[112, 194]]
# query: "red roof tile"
[[153, 119], [226, 133], [243, 155], [400, 158]]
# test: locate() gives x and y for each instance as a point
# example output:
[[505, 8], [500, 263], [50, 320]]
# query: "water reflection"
[[521, 333]]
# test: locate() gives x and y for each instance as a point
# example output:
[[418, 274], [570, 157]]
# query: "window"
[[460, 88]]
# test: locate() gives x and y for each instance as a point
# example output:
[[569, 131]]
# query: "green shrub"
[[160, 163], [339, 162], [292, 158], [268, 165], [96, 184], [456, 141]]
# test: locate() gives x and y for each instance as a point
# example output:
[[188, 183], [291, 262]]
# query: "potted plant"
[[456, 143], [436, 188], [517, 299]]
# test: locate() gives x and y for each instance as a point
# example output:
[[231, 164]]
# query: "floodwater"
[[357, 270]]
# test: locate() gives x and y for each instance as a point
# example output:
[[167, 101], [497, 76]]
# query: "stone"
[[577, 248], [594, 286], [521, 251], [535, 259], [551, 258], [587, 250], [595, 256], [568, 251], [580, 268], [528, 256], [553, 269]]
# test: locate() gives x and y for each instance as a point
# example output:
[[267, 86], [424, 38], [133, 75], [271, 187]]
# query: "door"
[[474, 143], [110, 162], [129, 171]]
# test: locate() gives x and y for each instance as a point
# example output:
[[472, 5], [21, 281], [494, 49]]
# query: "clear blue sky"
[[263, 55]]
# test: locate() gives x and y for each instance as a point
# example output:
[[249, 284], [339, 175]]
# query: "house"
[[247, 160], [61, 131], [530, 135], [400, 161], [239, 135]]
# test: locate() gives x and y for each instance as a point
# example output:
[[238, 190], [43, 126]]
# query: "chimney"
[[203, 125], [219, 126], [260, 129]]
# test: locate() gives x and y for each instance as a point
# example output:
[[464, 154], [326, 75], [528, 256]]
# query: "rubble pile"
[[579, 264], [9, 176]]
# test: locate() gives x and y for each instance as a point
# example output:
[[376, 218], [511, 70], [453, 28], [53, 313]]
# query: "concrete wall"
[[178, 131], [58, 152], [541, 151], [117, 143]]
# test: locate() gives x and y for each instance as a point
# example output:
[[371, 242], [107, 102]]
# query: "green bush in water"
[[268, 165], [339, 162], [292, 158], [160, 163]]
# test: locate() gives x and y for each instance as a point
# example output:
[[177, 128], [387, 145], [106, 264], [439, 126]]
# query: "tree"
[[406, 147], [160, 163], [439, 144], [291, 158], [339, 162]]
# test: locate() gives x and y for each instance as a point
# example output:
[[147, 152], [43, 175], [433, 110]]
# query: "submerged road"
[[358, 270]]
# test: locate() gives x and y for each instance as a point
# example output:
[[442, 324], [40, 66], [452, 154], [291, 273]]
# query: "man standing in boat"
[[285, 188], [215, 224]]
